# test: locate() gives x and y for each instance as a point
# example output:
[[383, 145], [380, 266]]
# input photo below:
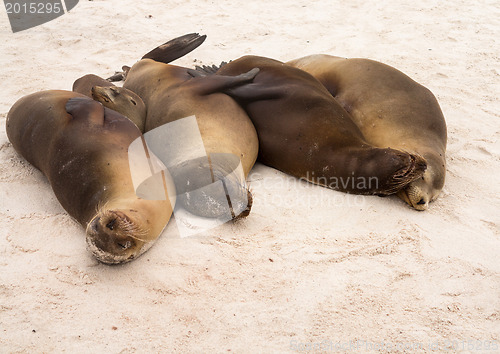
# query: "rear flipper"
[[166, 53], [119, 75], [206, 70], [175, 48]]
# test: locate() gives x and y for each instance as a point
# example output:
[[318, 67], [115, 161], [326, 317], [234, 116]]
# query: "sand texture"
[[310, 269]]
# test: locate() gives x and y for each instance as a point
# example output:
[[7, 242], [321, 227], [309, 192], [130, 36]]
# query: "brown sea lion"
[[117, 98], [171, 93], [304, 132], [81, 147], [391, 110]]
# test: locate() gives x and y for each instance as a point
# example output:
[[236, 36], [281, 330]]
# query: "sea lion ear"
[[86, 109]]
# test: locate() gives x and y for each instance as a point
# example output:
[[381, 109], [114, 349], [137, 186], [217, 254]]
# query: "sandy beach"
[[311, 269]]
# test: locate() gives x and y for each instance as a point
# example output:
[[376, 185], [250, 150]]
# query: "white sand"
[[309, 265]]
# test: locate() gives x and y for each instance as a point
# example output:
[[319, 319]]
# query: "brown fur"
[[391, 110], [304, 132], [170, 93], [116, 98], [81, 147]]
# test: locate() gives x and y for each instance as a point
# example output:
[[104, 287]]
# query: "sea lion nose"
[[421, 201]]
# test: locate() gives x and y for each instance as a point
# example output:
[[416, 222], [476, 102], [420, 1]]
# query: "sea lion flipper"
[[248, 76], [85, 108], [197, 73], [254, 92], [219, 83], [119, 75], [206, 70], [175, 48]]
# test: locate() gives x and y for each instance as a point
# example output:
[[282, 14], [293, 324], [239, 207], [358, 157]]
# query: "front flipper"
[[86, 109], [255, 92], [175, 48], [205, 85]]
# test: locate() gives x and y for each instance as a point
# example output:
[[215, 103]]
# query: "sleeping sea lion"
[[171, 93], [81, 147], [116, 98], [391, 110], [304, 132]]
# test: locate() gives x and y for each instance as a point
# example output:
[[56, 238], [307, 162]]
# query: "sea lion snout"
[[415, 197], [421, 191], [108, 237], [100, 94]]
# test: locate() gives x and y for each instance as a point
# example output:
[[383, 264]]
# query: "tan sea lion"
[[81, 147], [391, 110], [304, 132], [117, 98], [170, 93]]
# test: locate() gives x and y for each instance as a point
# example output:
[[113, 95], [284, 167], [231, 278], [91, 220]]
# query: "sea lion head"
[[114, 237], [420, 192], [395, 169], [123, 101]]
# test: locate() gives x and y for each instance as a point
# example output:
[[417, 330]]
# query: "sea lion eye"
[[135, 104], [125, 245], [111, 224]]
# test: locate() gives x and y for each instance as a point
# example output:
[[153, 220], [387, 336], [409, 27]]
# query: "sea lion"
[[81, 147], [391, 110], [304, 132], [116, 98], [170, 93]]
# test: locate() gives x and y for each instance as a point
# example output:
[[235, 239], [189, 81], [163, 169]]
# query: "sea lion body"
[[82, 149], [391, 110], [170, 93], [114, 97], [304, 132]]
